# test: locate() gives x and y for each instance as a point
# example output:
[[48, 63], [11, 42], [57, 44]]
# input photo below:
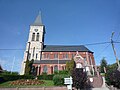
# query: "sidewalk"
[[104, 88], [49, 88]]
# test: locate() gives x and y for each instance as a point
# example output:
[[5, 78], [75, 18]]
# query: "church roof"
[[38, 21], [50, 61], [66, 48]]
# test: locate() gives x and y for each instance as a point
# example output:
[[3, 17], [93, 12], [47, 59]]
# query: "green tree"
[[80, 79], [103, 65], [70, 66], [28, 67]]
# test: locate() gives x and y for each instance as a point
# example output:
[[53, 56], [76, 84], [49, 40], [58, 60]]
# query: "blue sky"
[[67, 22]]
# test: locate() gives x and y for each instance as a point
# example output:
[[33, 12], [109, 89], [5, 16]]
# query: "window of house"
[[55, 68], [35, 30], [63, 55], [55, 55], [29, 56], [36, 55], [48, 55], [33, 37], [66, 56], [33, 52], [73, 55], [37, 37], [45, 69], [44, 55], [84, 58]]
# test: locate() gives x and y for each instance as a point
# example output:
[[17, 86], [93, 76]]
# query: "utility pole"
[[112, 43]]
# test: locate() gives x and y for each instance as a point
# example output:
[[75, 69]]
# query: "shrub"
[[55, 72], [9, 73], [44, 73], [1, 79], [46, 77], [64, 72], [59, 79], [15, 77], [113, 78], [79, 78]]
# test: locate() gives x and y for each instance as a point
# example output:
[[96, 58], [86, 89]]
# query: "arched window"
[[33, 52], [45, 69], [36, 55], [37, 37], [55, 56], [55, 68], [29, 56], [33, 37], [73, 55], [63, 55], [66, 56]]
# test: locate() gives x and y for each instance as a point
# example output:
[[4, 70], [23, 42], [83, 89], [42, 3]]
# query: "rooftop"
[[66, 48], [38, 20]]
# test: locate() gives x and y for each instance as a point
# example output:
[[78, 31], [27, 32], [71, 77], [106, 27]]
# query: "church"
[[51, 58]]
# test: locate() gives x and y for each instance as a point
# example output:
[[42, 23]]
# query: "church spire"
[[38, 20]]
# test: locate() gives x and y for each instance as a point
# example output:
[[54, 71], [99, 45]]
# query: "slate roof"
[[50, 61], [66, 48], [38, 21]]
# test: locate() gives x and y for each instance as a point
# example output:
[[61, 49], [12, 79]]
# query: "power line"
[[118, 37], [10, 49], [97, 43], [90, 44], [103, 50]]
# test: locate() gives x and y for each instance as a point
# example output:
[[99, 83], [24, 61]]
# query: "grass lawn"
[[47, 83]]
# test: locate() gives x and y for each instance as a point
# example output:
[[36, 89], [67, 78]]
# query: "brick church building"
[[50, 58]]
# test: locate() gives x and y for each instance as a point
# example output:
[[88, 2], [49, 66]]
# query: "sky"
[[67, 22]]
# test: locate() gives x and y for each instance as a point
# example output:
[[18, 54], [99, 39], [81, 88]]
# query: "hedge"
[[46, 77], [9, 77], [1, 79]]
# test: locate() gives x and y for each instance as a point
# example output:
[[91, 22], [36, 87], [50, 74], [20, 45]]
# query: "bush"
[[59, 79], [9, 73], [113, 78], [64, 72], [79, 78], [46, 77], [1, 79], [15, 77]]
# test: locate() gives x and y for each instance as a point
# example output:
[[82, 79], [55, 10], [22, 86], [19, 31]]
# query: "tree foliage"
[[113, 75], [79, 78], [70, 66], [28, 67], [102, 65]]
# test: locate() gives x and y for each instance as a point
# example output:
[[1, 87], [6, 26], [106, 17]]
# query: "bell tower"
[[35, 42]]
